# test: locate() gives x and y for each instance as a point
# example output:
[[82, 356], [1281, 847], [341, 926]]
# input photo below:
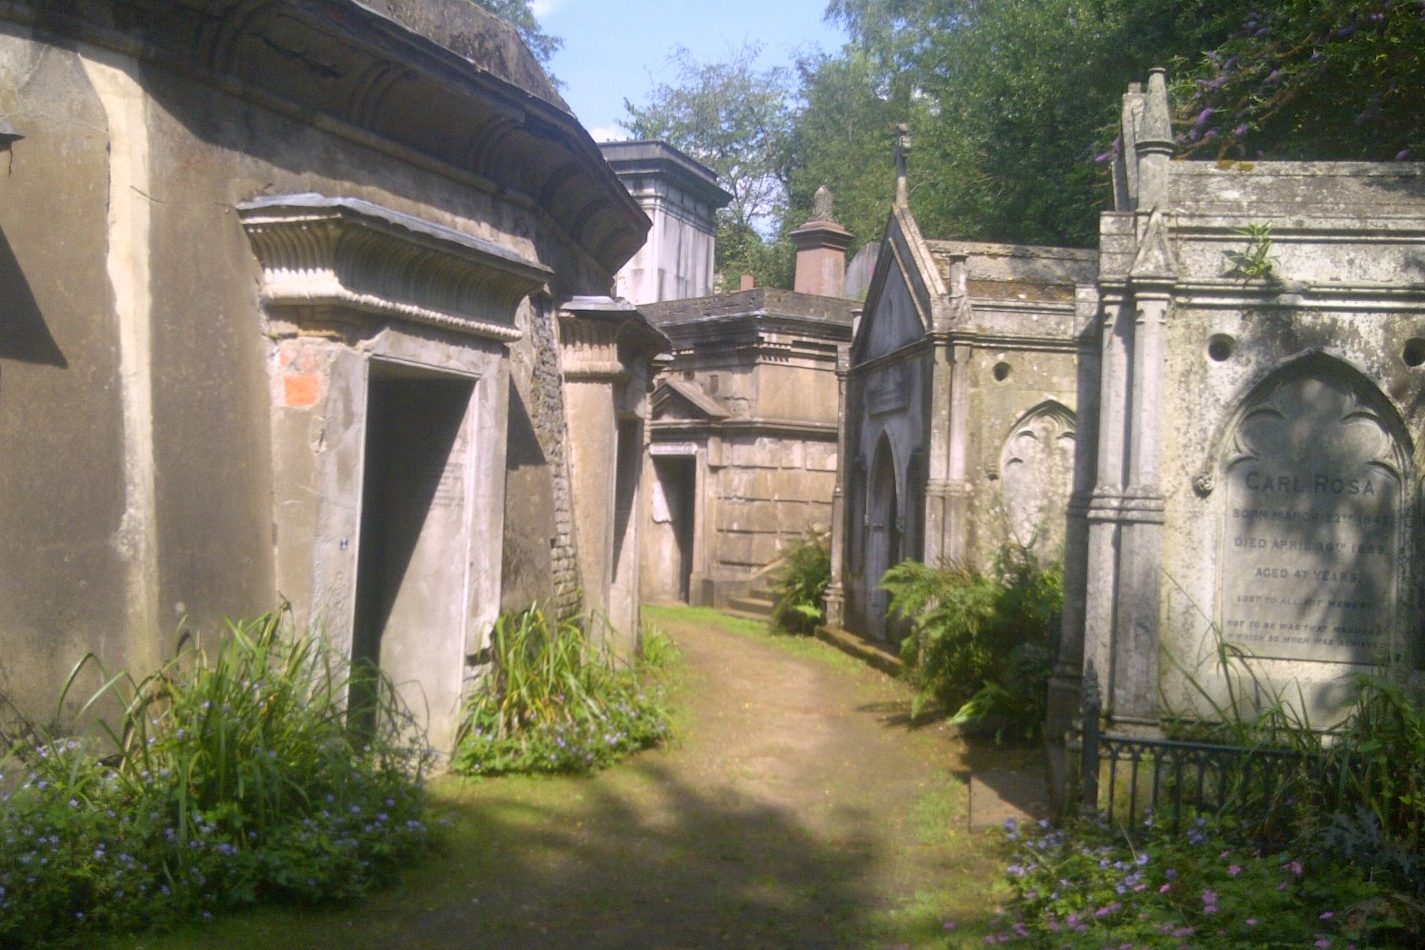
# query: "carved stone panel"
[[1037, 466], [1313, 508], [888, 389]]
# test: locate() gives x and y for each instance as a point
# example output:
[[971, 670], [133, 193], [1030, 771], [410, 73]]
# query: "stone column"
[[947, 491], [1101, 561], [1064, 696], [956, 490], [835, 600], [1134, 695], [600, 340]]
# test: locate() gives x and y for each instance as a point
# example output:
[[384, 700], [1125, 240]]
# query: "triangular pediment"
[[905, 289], [685, 400]]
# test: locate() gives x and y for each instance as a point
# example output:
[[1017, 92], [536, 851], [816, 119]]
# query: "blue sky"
[[619, 48]]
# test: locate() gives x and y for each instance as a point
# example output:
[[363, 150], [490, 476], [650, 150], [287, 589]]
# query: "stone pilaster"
[[835, 600]]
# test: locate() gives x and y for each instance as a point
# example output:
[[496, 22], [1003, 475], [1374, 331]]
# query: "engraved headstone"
[[1313, 519]]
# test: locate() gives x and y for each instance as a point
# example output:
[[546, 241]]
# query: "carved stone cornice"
[[318, 252], [598, 335], [445, 86]]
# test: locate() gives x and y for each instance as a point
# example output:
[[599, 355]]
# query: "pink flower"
[[1251, 921], [1327, 914], [1234, 870]]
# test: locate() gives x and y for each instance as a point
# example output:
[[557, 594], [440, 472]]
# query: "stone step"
[[872, 654], [744, 614], [750, 604]]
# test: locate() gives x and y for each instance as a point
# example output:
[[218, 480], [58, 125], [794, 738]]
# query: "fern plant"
[[801, 584], [980, 644]]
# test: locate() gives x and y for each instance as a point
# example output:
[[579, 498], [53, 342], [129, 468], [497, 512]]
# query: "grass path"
[[796, 808]]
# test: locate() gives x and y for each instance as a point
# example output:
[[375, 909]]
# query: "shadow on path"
[[652, 862]]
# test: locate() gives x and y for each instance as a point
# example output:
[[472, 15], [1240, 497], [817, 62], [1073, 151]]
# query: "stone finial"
[[902, 151], [1157, 124], [821, 246], [1154, 144]]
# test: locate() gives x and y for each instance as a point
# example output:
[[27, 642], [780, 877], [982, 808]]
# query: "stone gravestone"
[[1246, 473], [1309, 567]]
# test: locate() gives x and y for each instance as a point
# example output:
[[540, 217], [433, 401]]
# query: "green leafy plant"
[[800, 585], [553, 702], [1088, 885], [226, 778], [1256, 262], [980, 644], [1355, 793]]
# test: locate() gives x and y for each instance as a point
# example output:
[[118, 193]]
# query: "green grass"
[[568, 851], [808, 648]]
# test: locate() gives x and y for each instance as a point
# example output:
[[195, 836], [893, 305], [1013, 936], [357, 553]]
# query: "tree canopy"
[[1013, 105], [735, 118], [1311, 79]]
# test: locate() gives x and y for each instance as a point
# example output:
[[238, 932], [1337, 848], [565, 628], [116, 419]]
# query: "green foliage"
[[521, 16], [980, 644], [801, 584], [551, 702], [228, 779], [1088, 886], [842, 138], [1006, 100], [1309, 79], [1355, 794], [1256, 261]]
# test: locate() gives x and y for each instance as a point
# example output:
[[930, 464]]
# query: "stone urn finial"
[[821, 209]]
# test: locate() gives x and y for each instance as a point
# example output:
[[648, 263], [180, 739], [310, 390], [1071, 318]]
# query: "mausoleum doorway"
[[883, 536], [674, 510], [414, 537]]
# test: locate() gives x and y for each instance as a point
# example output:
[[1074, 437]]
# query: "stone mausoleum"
[[305, 300], [1247, 470], [961, 392], [681, 197], [742, 442]]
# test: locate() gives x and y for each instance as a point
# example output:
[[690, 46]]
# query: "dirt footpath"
[[796, 809]]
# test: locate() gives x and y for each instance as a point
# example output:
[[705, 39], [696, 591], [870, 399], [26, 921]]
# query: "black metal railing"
[[1172, 778]]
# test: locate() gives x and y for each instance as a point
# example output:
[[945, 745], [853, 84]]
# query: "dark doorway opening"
[[409, 590], [678, 477]]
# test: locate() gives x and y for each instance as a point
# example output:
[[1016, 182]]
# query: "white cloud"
[[543, 8], [610, 133]]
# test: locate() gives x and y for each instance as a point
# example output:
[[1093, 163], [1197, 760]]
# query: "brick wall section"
[[547, 414]]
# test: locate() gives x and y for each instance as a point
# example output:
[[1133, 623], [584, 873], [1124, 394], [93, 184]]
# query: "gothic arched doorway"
[[883, 541]]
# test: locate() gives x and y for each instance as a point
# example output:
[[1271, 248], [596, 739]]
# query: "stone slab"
[[996, 796]]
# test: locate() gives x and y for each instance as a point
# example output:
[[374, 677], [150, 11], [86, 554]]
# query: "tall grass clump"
[[800, 585], [980, 644], [226, 778], [553, 702]]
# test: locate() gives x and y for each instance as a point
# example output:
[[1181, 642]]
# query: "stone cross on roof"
[[902, 149]]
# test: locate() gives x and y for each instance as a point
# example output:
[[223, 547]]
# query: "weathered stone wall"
[[172, 443], [1251, 474], [770, 491], [749, 403], [539, 549]]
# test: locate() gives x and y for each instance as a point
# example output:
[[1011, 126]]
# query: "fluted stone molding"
[[320, 252], [591, 330]]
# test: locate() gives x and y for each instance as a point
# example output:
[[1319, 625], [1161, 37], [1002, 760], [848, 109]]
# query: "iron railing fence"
[[1168, 778]]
